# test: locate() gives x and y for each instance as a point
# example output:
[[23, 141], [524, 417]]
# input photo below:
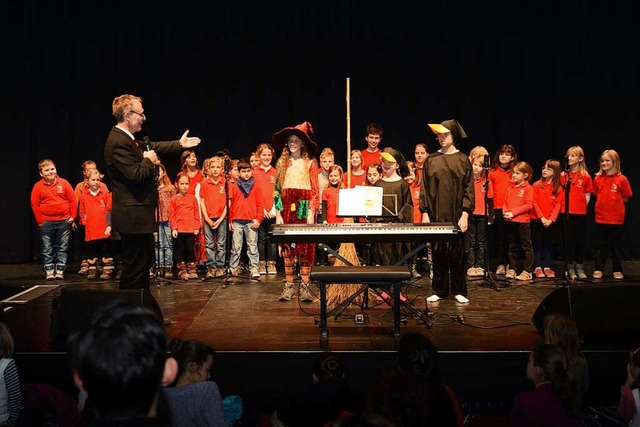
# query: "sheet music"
[[360, 201]]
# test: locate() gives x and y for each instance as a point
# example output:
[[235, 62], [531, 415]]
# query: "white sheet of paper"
[[360, 201]]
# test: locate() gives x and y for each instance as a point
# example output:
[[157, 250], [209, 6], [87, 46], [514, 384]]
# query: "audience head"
[[402, 398], [363, 419], [194, 359], [121, 361], [634, 364], [7, 346], [561, 330], [328, 367], [418, 356]]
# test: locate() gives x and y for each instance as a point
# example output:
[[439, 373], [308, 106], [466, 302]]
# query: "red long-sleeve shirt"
[[519, 201], [501, 180], [545, 203], [245, 208], [95, 213], [330, 195], [53, 202], [183, 213]]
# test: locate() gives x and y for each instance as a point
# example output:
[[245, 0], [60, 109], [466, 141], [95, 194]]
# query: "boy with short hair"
[[371, 154], [214, 213], [54, 207], [246, 214]]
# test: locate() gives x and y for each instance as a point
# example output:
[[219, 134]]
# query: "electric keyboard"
[[363, 232]]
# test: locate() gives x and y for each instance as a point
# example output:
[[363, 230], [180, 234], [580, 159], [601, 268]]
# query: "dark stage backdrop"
[[542, 76]]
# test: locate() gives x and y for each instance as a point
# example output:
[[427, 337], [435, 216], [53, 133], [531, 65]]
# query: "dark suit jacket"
[[133, 182]]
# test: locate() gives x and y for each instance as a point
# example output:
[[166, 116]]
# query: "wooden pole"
[[348, 134]]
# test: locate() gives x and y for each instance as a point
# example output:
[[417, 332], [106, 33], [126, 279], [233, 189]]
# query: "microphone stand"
[[567, 191], [227, 243], [157, 279], [492, 282]]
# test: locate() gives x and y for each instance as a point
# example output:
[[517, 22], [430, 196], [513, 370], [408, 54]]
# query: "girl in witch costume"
[[448, 195], [297, 200]]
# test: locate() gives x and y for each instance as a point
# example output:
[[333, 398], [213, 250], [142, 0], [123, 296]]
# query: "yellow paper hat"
[[438, 128]]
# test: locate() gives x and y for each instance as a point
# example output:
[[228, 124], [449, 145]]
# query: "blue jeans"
[[243, 231], [165, 249], [55, 244], [216, 242]]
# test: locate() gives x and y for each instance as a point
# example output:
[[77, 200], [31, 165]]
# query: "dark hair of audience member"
[[7, 345], [363, 419], [189, 352], [120, 359], [555, 369], [418, 356]]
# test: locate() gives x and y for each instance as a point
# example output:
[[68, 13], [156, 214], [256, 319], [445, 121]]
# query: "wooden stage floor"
[[264, 347], [247, 316]]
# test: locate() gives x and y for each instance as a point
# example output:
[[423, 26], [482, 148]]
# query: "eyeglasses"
[[140, 114]]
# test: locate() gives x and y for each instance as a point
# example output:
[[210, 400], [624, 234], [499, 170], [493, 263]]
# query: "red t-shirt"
[[610, 190], [213, 196], [94, 213], [369, 158], [479, 187], [581, 185], [357, 179], [265, 180], [193, 181]]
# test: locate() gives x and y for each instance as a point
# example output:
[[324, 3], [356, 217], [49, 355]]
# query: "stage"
[[265, 346]]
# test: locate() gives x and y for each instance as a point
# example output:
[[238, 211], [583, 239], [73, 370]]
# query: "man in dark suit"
[[130, 165]]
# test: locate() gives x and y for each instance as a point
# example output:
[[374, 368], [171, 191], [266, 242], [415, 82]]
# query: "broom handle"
[[348, 135]]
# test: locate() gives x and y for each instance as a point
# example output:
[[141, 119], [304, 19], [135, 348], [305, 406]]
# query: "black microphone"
[[226, 165], [566, 163], [145, 142]]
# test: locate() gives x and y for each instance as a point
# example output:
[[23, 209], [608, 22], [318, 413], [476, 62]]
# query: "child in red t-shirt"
[[185, 226], [612, 191], [500, 177], [476, 234], [548, 197], [265, 176], [516, 210], [95, 216], [358, 174], [580, 186], [214, 214]]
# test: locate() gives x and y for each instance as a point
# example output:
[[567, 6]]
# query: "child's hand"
[[195, 232], [508, 215], [107, 231], [174, 233]]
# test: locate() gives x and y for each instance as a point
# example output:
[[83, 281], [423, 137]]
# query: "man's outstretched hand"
[[188, 141]]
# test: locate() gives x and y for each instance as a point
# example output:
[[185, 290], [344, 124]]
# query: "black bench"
[[368, 276]]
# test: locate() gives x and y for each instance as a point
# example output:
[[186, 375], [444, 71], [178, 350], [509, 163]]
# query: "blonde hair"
[[524, 167], [578, 151], [615, 162], [123, 104], [44, 162], [411, 165], [341, 171], [477, 151], [326, 152]]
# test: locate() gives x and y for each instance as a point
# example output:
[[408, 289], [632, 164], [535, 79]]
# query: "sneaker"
[[255, 274], [580, 271], [414, 272], [271, 267], [471, 271], [501, 269], [524, 275], [59, 275], [618, 275], [433, 298], [511, 274], [262, 268], [168, 274], [218, 272], [479, 271], [571, 273], [50, 274], [549, 272], [305, 293], [287, 292], [84, 268], [598, 274], [539, 273], [211, 273], [461, 299]]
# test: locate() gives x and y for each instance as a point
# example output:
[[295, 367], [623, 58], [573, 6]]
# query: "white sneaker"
[[461, 299], [433, 298]]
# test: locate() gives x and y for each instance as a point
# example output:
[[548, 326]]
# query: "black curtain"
[[541, 76]]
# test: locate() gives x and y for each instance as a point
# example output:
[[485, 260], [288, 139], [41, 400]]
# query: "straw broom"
[[337, 293]]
